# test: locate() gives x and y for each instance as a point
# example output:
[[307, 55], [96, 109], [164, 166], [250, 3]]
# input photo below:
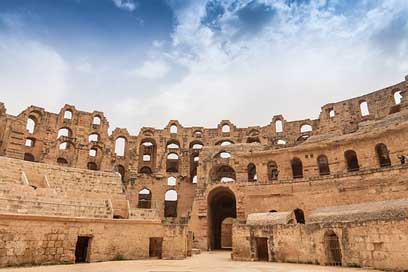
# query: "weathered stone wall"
[[46, 143], [52, 240], [374, 244], [374, 185]]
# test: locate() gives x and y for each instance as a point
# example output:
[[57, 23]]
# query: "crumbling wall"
[[370, 244], [52, 240]]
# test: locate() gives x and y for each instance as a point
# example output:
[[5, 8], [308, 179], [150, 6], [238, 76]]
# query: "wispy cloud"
[[301, 56], [129, 5], [152, 69]]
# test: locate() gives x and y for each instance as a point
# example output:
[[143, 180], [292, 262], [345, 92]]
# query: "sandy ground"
[[218, 261]]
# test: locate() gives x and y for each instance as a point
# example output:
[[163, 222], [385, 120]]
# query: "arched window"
[[197, 134], [30, 142], [173, 129], [333, 249], [281, 142], [253, 140], [64, 146], [147, 154], [278, 126], [29, 157], [382, 155], [272, 171], [94, 137], [323, 164], [173, 146], [120, 144], [31, 123], [225, 155], [146, 170], [93, 152], [120, 169], [397, 97], [92, 166], [195, 180], [251, 169], [62, 161], [300, 216], [145, 199], [297, 168], [172, 164], [170, 204], [68, 115], [171, 181], [223, 173], [64, 132], [197, 146], [226, 143], [364, 108], [351, 160], [306, 128], [96, 120], [147, 158], [332, 113], [226, 129]]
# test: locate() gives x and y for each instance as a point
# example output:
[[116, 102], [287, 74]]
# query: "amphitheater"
[[330, 191]]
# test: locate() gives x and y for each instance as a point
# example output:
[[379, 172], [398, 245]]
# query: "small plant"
[[119, 257]]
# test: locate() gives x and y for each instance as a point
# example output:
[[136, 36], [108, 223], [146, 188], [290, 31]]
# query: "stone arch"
[[383, 156], [147, 154], [351, 161], [31, 124], [170, 203], [68, 114], [364, 108], [251, 170], [221, 205], [120, 146], [297, 168], [323, 164], [29, 157], [222, 173], [144, 199], [92, 166], [332, 248], [172, 163], [273, 171], [300, 216]]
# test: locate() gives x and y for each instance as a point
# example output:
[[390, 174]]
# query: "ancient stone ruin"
[[330, 191]]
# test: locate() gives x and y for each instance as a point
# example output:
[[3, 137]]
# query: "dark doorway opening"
[[155, 247], [221, 205], [300, 216], [262, 249], [81, 249], [333, 250]]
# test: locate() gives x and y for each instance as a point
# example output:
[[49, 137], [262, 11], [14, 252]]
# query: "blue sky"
[[144, 62]]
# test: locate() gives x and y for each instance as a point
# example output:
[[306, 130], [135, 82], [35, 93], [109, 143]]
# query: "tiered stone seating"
[[24, 199], [61, 191]]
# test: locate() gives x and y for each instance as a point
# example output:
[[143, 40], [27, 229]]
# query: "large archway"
[[221, 205]]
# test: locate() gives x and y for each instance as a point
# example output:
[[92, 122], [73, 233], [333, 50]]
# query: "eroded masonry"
[[330, 191]]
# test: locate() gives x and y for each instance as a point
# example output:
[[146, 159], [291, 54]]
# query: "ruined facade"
[[184, 186]]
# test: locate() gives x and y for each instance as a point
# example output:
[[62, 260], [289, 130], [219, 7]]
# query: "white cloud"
[[296, 64], [31, 74], [152, 69], [129, 5]]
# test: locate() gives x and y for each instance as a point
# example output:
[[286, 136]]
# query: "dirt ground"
[[217, 261]]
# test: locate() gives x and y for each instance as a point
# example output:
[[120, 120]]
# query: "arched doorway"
[[333, 249], [221, 205]]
